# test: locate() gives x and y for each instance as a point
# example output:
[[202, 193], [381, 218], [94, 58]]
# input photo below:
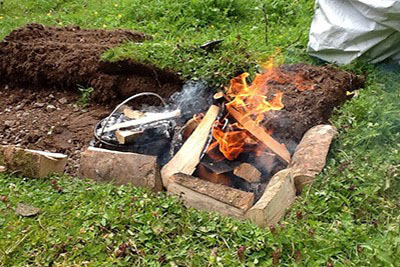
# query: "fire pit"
[[239, 157], [243, 152]]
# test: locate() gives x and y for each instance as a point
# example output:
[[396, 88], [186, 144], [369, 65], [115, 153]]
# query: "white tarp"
[[343, 30]]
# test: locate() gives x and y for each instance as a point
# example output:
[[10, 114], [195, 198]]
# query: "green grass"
[[350, 216]]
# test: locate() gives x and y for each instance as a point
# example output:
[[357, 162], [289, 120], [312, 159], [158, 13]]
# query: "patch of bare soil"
[[48, 120]]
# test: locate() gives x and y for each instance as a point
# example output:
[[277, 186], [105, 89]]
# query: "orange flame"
[[255, 101], [231, 143]]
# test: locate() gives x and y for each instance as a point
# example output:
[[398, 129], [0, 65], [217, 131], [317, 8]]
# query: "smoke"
[[195, 97]]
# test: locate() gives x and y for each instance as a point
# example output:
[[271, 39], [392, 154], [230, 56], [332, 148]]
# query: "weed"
[[85, 96]]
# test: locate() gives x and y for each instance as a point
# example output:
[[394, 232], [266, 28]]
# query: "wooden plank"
[[149, 118], [247, 172], [127, 137], [208, 196], [277, 198], [187, 158], [274, 146]]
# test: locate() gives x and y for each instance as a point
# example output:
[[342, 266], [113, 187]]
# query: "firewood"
[[188, 156], [208, 196], [149, 118], [120, 168], [248, 172], [277, 198], [32, 163], [127, 137], [189, 127], [206, 174], [309, 157], [133, 114], [274, 146]]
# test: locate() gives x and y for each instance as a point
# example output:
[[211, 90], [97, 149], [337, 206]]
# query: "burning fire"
[[251, 101]]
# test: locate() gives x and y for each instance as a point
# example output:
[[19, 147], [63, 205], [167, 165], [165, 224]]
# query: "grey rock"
[[26, 210], [63, 100], [50, 108], [38, 105]]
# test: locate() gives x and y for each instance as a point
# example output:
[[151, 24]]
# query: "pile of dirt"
[[309, 102], [63, 58]]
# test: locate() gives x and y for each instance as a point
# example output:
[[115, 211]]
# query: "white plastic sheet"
[[343, 30]]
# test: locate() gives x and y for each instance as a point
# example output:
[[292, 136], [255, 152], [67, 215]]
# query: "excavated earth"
[[42, 67], [309, 102]]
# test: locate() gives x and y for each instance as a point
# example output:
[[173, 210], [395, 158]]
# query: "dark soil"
[[327, 89], [48, 120], [65, 58]]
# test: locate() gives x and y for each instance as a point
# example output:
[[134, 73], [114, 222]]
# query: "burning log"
[[279, 149], [149, 118], [32, 163], [310, 156], [208, 196], [187, 158], [120, 167], [277, 198], [248, 172]]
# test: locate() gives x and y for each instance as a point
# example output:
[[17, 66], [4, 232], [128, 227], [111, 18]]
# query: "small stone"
[[7, 110], [3, 169], [50, 108], [9, 123], [26, 210], [63, 100], [38, 105], [52, 96], [19, 107]]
